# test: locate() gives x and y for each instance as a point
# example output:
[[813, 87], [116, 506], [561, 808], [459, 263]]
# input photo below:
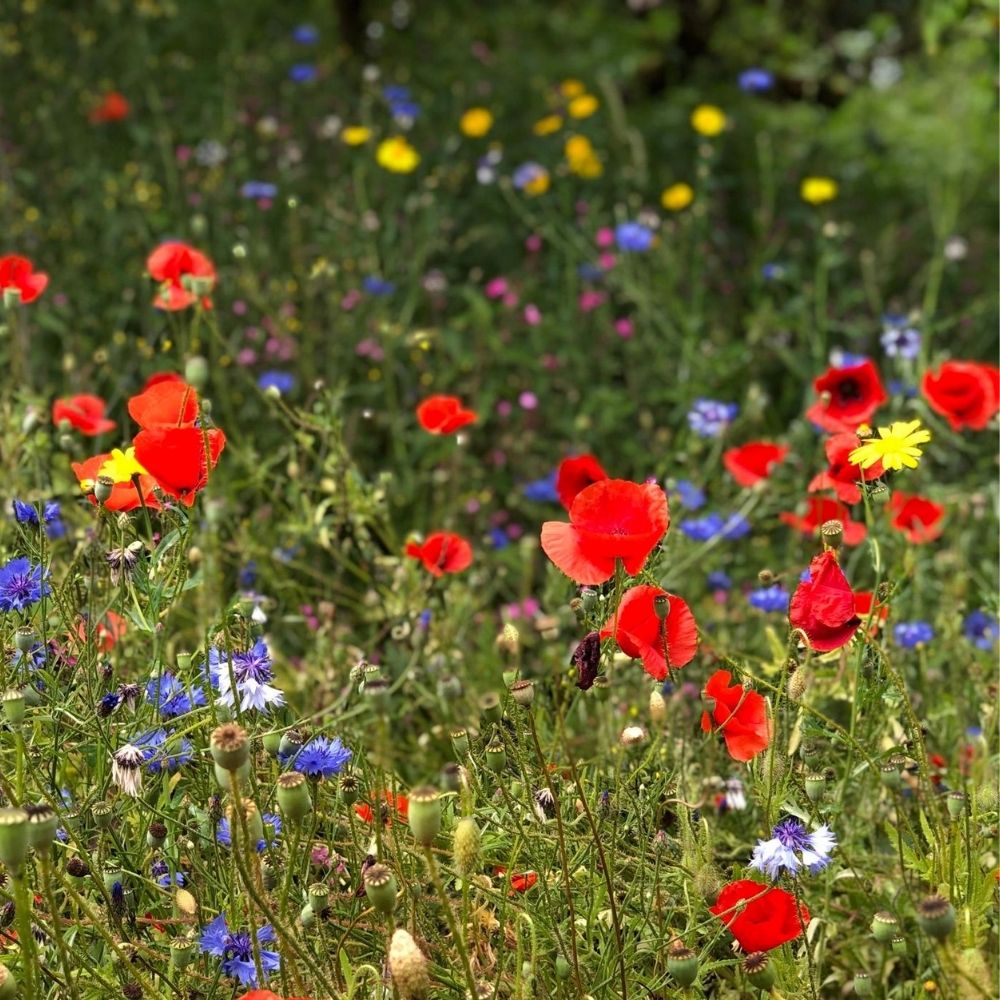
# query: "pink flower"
[[607, 261], [605, 237], [496, 288], [510, 299], [528, 401], [533, 243], [624, 327], [532, 314], [350, 300], [590, 300]]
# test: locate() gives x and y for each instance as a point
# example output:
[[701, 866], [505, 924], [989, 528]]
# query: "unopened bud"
[[466, 846], [408, 966], [657, 708], [425, 814]]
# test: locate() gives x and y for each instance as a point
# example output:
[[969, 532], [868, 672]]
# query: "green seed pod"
[[425, 814], [103, 487], [460, 742], [380, 888], [759, 970], [230, 746], [496, 757], [290, 744], [255, 822], [449, 688], [269, 874], [490, 707], [589, 597], [523, 692], [885, 927], [112, 876], [13, 706], [42, 825], [24, 638], [8, 984], [451, 777], [899, 946], [956, 805], [936, 916], [272, 743], [708, 883], [467, 846], [563, 968], [307, 916], [223, 777], [349, 789], [293, 796], [815, 786], [863, 985], [682, 963], [889, 776], [182, 953], [13, 838], [196, 372], [156, 834]]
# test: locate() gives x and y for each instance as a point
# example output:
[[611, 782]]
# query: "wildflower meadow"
[[500, 500]]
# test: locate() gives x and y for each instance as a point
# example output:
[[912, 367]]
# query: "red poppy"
[[267, 995], [823, 605], [865, 605], [174, 266], [179, 458], [519, 882], [84, 412], [125, 494], [114, 107], [768, 917], [106, 634], [158, 377], [576, 474], [444, 415], [19, 273], [966, 393], [442, 552], [917, 517], [401, 803], [820, 510], [610, 520], [166, 403], [739, 714], [842, 476], [848, 397], [753, 462], [662, 645]]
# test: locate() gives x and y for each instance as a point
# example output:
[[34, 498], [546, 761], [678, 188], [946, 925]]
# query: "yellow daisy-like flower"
[[547, 125], [571, 88], [538, 184], [708, 120], [583, 106], [582, 159], [122, 466], [677, 197], [897, 447], [476, 122], [818, 190], [397, 155], [356, 135]]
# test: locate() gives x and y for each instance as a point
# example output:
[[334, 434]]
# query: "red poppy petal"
[[563, 544]]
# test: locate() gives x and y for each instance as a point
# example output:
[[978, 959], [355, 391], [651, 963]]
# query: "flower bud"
[[467, 846], [815, 786], [523, 692], [657, 708], [380, 888], [230, 746], [42, 825], [682, 963], [936, 916], [307, 915], [196, 372], [496, 757], [460, 742], [563, 968], [759, 970], [708, 883], [182, 953], [293, 796], [425, 814], [956, 805], [13, 838], [863, 985], [408, 966], [885, 927], [798, 683], [13, 705]]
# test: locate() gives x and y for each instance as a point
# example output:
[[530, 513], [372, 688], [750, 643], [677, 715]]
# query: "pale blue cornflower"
[[791, 849]]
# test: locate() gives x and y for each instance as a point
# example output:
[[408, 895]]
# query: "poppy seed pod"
[[682, 963], [496, 757], [24, 638], [230, 746], [293, 796], [936, 916], [349, 789], [898, 945], [863, 985], [885, 927], [408, 966], [460, 742], [661, 606], [425, 814], [103, 488], [956, 804], [523, 692], [270, 875], [889, 776], [42, 825], [13, 838], [589, 597], [182, 953], [758, 969], [380, 888], [13, 705], [832, 534], [490, 706], [467, 846], [272, 743], [815, 786], [290, 744], [224, 777]]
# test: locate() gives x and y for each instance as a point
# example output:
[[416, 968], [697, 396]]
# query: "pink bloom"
[[496, 288], [605, 237], [532, 314], [350, 300], [533, 243], [607, 261], [624, 327], [510, 299], [528, 401], [590, 300]]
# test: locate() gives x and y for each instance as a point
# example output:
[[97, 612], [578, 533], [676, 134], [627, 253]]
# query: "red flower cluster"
[[442, 552], [609, 520], [399, 804], [518, 882], [84, 412], [916, 517], [663, 644], [841, 475], [444, 415], [760, 918], [753, 462], [19, 274], [965, 393], [848, 397], [821, 509], [114, 107], [178, 267], [823, 606], [576, 474], [739, 714]]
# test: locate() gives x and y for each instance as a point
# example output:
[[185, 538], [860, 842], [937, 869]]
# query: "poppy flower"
[[107, 632], [610, 520], [587, 660], [132, 483], [162, 377], [823, 605], [521, 882], [165, 403], [767, 918], [965, 393], [576, 474], [753, 462], [865, 605], [820, 510], [444, 415], [842, 475], [176, 266], [442, 552], [267, 995], [739, 714], [179, 458], [848, 397], [663, 644], [114, 107], [20, 274], [916, 517], [84, 412], [400, 803]]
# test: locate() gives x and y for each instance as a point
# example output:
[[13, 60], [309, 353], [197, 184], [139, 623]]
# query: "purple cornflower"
[[171, 697], [899, 339], [302, 73], [160, 871], [235, 948], [224, 834], [27, 513], [251, 671], [689, 495], [773, 598], [756, 80], [22, 584], [158, 755], [981, 629], [305, 34], [911, 634], [791, 848], [322, 757], [258, 190], [375, 285], [284, 382], [735, 526], [633, 237], [710, 417], [702, 529], [718, 580]]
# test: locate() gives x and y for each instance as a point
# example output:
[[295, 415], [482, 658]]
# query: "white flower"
[[126, 769]]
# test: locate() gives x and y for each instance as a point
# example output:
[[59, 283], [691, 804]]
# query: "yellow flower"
[[896, 447], [547, 125], [538, 184], [583, 106], [708, 120], [677, 197], [582, 159], [356, 135], [817, 190], [122, 466], [571, 88], [397, 155], [476, 122]]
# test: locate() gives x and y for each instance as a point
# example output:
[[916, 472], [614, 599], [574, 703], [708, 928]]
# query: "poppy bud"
[[766, 577], [42, 825], [863, 985], [24, 638], [349, 789], [936, 916], [13, 705], [562, 968], [460, 742], [579, 612], [885, 927], [708, 883], [815, 786], [196, 372], [657, 708], [156, 834], [759, 970], [832, 534], [425, 814], [103, 485], [496, 757], [380, 888], [230, 746], [661, 607], [293, 796], [523, 692], [682, 963], [449, 688], [466, 846], [589, 597], [408, 966], [509, 640], [489, 705], [798, 683], [8, 984], [307, 915], [182, 953], [956, 804], [632, 737]]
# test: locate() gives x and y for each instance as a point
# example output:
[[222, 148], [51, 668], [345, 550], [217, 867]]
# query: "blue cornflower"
[[981, 629], [526, 173], [911, 634], [404, 111], [756, 80], [258, 189], [224, 835], [590, 272], [710, 417], [374, 285], [424, 618], [158, 755], [792, 848], [690, 495], [27, 513], [171, 697], [395, 92], [252, 671], [899, 339], [284, 382], [302, 73], [108, 703], [633, 237], [322, 757], [772, 271], [22, 584], [499, 538], [839, 358], [702, 529], [160, 871], [773, 598], [34, 657], [718, 580], [735, 526], [235, 948], [542, 490], [248, 575], [305, 34]]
